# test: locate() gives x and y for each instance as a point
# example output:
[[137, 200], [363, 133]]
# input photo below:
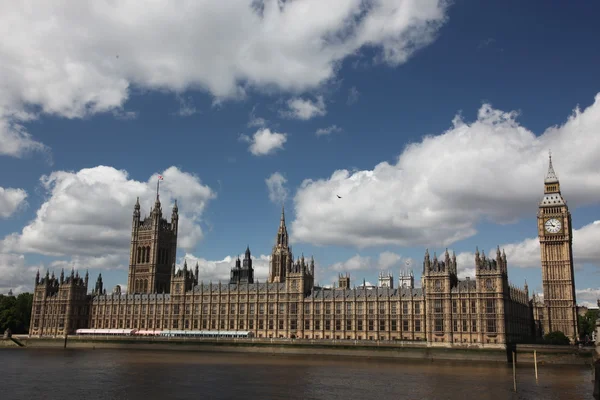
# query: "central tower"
[[153, 250], [281, 257], [556, 245]]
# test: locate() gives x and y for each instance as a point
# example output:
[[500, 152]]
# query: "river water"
[[146, 375]]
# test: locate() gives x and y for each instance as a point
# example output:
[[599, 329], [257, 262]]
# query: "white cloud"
[[278, 192], [264, 142], [16, 274], [219, 270], [82, 263], [440, 188], [224, 48], [386, 261], [304, 109], [328, 130], [588, 297], [15, 141], [88, 213], [353, 95], [526, 254], [11, 200]]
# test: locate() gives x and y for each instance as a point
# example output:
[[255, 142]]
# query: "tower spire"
[[551, 175], [282, 221]]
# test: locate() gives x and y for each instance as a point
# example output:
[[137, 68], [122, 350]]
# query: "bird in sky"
[[339, 197]]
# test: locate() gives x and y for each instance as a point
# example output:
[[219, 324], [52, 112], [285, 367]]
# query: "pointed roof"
[[282, 234], [550, 175]]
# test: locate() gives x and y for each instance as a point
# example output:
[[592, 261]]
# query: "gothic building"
[[558, 309], [444, 311]]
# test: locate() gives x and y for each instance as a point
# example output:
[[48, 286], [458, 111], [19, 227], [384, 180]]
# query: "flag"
[[160, 177]]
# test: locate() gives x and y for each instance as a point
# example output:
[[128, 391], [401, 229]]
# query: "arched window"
[[145, 285], [136, 286], [139, 255], [147, 253]]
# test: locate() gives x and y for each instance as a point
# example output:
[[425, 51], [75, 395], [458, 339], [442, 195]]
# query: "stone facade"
[[444, 311], [557, 311]]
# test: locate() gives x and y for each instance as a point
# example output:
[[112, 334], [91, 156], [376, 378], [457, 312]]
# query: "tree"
[[556, 337], [587, 324], [15, 312]]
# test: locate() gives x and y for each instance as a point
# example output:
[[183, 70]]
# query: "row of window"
[[262, 308], [262, 324]]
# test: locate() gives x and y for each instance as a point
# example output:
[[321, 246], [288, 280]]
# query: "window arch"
[[147, 253], [145, 285]]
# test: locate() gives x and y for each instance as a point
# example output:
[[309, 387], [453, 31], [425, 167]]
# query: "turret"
[[37, 277], [87, 276], [196, 273], [62, 276], [99, 285], [426, 262]]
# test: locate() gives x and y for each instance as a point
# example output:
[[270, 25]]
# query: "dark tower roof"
[[248, 252], [550, 175]]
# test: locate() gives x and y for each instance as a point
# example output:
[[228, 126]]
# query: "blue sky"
[[185, 105]]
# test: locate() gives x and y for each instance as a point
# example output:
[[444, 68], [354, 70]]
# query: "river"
[[146, 375]]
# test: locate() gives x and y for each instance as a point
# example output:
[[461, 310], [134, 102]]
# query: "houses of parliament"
[[443, 311]]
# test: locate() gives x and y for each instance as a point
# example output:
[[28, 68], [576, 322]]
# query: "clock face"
[[553, 225]]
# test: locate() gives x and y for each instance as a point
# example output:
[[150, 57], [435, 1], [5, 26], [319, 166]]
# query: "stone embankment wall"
[[564, 355]]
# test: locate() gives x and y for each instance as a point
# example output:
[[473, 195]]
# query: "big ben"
[[556, 245]]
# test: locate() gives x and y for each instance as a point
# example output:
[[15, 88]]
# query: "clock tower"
[[556, 245]]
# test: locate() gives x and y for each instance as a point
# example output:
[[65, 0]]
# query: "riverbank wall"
[[556, 355]]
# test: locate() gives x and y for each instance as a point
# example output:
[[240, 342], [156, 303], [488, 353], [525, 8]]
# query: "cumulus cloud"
[[15, 141], [328, 130], [16, 274], [386, 260], [588, 297], [440, 188], [219, 270], [264, 142], [278, 192], [526, 254], [88, 212], [11, 200], [222, 48], [304, 109]]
